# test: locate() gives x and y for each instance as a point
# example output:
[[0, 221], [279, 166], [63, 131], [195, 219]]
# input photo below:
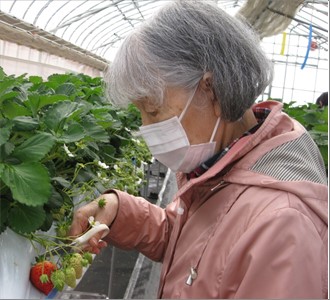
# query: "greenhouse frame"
[[90, 32]]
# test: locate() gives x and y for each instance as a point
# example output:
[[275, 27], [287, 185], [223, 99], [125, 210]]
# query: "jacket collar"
[[242, 147]]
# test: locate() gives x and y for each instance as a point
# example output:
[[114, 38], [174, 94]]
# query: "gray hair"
[[182, 42]]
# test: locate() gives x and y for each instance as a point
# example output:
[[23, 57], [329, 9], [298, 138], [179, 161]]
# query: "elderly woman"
[[250, 217]]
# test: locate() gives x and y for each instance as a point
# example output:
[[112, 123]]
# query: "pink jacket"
[[253, 226]]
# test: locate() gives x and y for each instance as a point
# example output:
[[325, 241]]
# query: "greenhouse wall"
[[18, 59]]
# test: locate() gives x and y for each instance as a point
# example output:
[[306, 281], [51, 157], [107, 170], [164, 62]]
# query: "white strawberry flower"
[[136, 141], [102, 165], [92, 222], [67, 151]]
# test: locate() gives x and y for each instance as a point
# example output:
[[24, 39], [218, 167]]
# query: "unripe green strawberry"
[[56, 216], [63, 210], [59, 213], [102, 203], [62, 229], [75, 262], [58, 279], [70, 277], [88, 256], [84, 262]]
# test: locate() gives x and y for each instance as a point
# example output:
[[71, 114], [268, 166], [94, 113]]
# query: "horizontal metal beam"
[[22, 33]]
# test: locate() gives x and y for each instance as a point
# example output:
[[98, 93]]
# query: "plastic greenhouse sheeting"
[[18, 59], [92, 31], [100, 25]]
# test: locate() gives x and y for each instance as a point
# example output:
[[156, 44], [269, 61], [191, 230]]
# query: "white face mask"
[[169, 144]]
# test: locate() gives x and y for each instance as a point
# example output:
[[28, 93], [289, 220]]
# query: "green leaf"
[[23, 94], [26, 219], [73, 133], [2, 74], [58, 79], [58, 113], [324, 113], [47, 224], [66, 89], [6, 86], [103, 117], [5, 131], [37, 101], [4, 209], [41, 89], [35, 79], [108, 151], [9, 95], [11, 109], [320, 138], [311, 118], [34, 148], [321, 127], [2, 167], [25, 123], [324, 153], [28, 182], [96, 132], [63, 182], [5, 150], [56, 200], [90, 153]]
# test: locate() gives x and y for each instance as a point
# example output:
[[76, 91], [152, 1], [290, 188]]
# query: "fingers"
[[104, 214], [80, 220], [97, 243], [95, 246]]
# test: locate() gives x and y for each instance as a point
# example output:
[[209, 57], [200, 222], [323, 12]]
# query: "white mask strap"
[[215, 129], [188, 103]]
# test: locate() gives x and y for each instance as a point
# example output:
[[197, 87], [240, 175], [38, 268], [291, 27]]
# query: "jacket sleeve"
[[142, 225], [280, 256]]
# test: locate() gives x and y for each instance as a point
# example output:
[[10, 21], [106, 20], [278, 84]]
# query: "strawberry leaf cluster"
[[60, 140]]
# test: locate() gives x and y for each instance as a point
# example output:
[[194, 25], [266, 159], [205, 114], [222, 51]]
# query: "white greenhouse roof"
[[96, 27]]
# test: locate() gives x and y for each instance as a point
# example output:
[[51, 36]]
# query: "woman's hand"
[[104, 210]]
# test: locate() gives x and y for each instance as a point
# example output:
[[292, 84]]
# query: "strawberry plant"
[[61, 143]]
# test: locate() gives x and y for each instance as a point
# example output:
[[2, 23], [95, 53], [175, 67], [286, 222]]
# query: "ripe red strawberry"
[[40, 276]]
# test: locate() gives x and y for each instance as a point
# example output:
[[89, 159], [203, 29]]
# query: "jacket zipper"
[[221, 183], [192, 276]]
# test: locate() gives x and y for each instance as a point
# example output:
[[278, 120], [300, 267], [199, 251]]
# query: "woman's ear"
[[207, 81], [206, 85], [149, 106]]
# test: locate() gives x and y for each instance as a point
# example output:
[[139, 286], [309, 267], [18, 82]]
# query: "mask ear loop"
[[215, 129], [188, 103]]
